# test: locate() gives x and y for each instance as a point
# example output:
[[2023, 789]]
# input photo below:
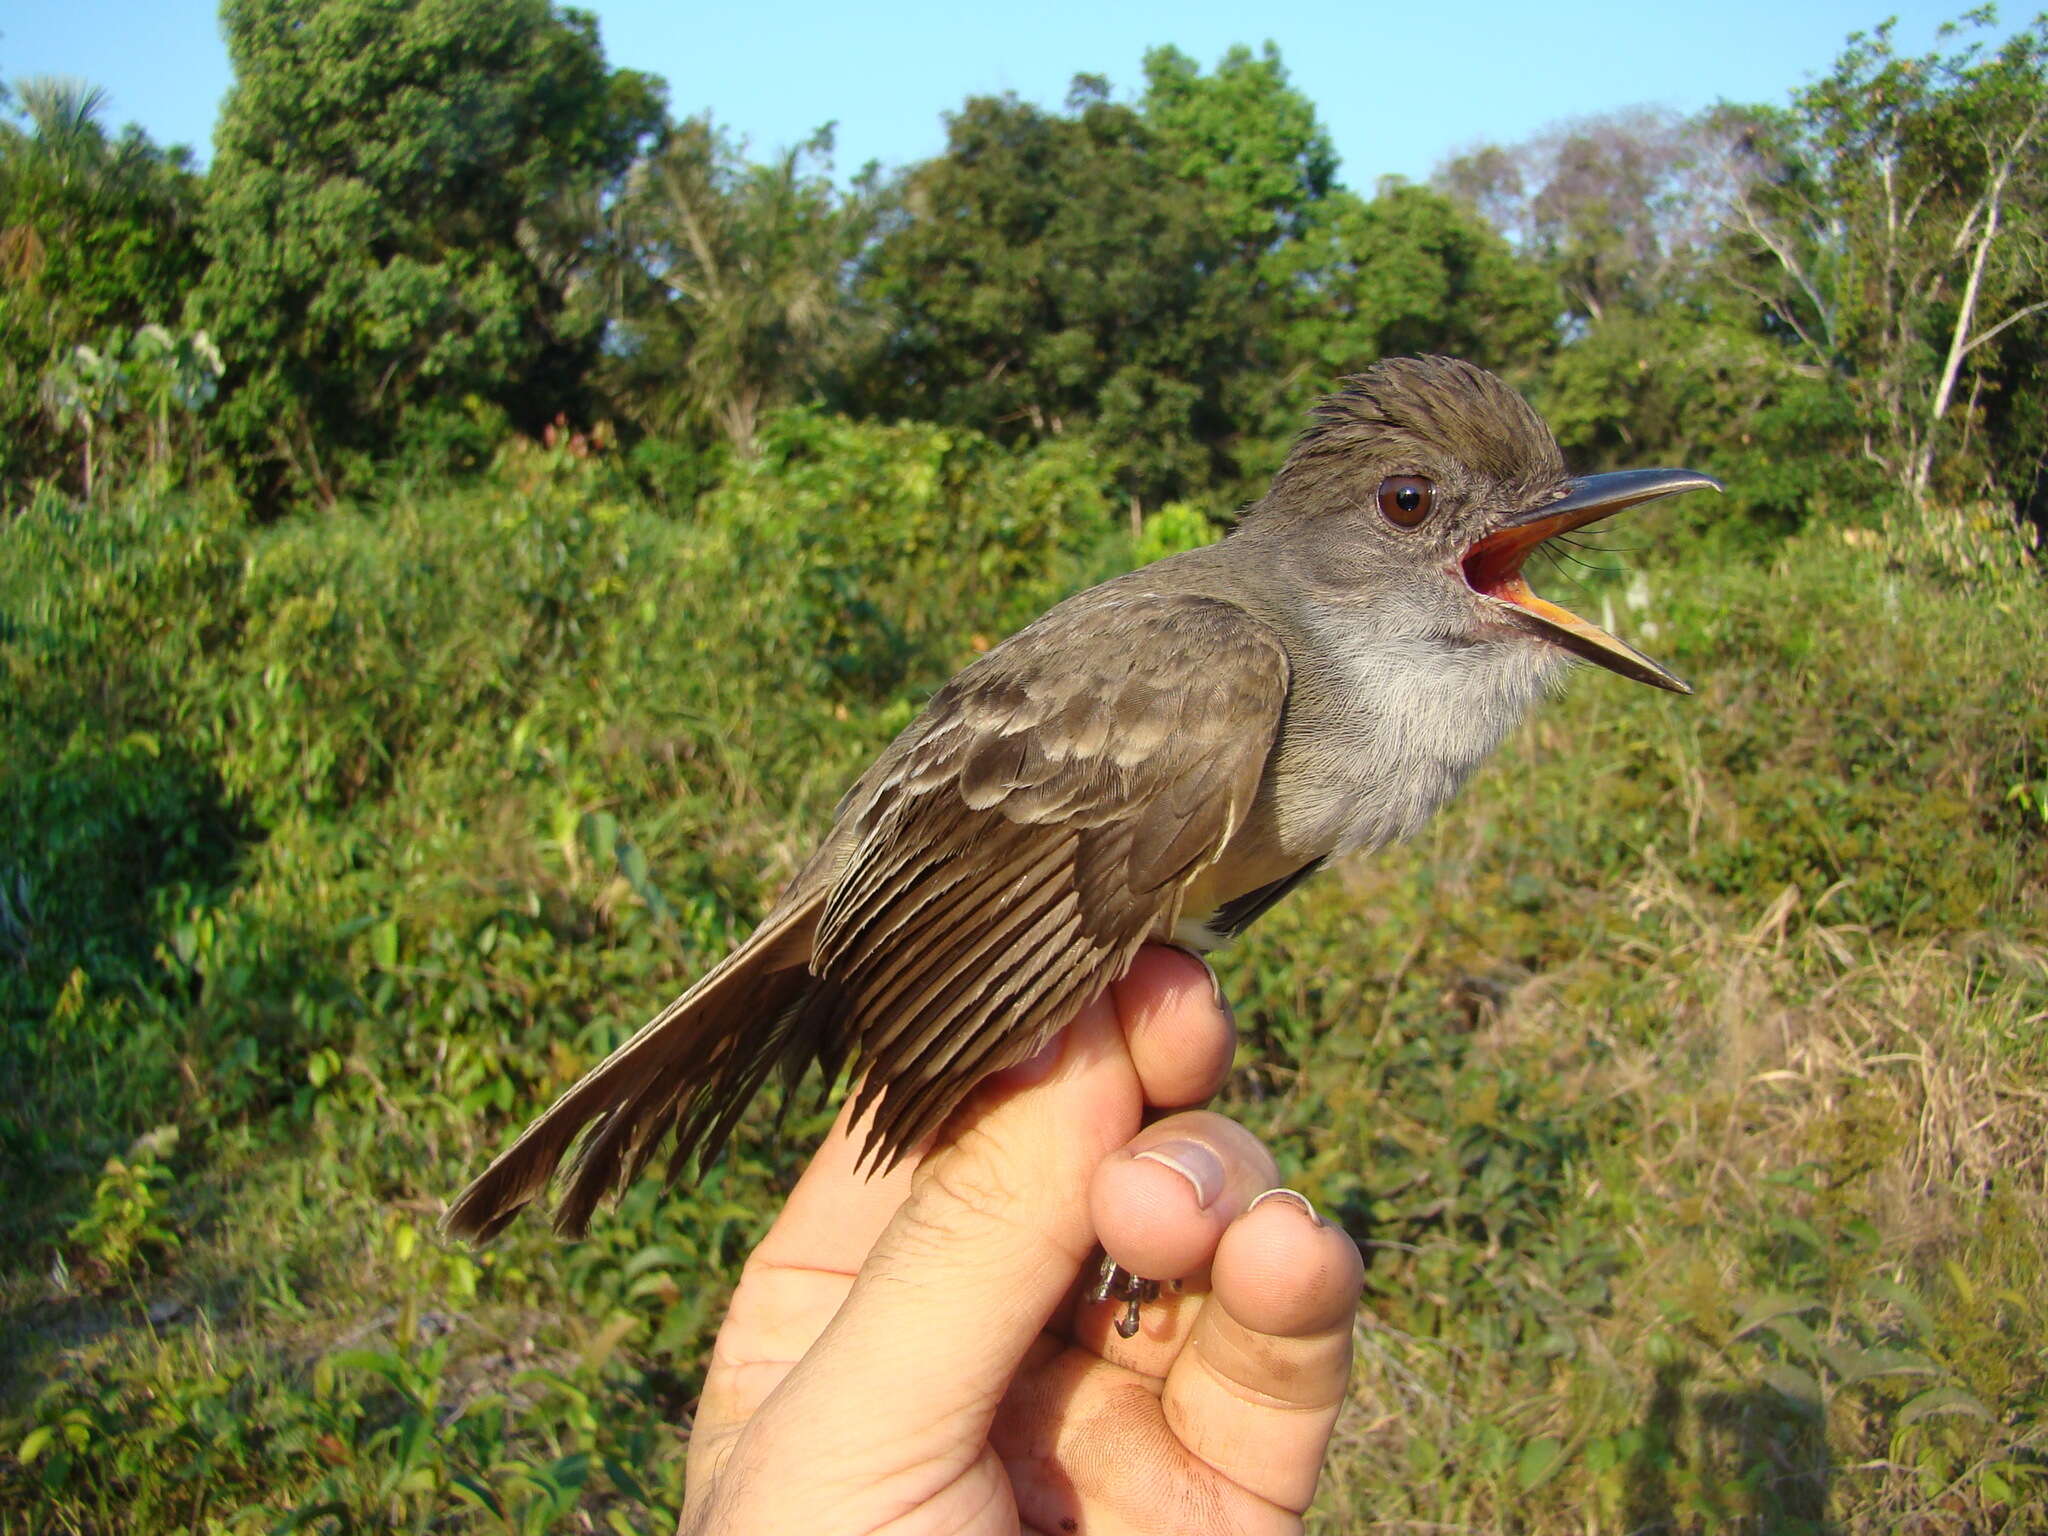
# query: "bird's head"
[[1418, 491]]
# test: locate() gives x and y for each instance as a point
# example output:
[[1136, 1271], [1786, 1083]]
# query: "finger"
[[1161, 1205], [1161, 1202], [1180, 1040], [798, 1276], [1179, 1027], [837, 1210], [1256, 1392], [802, 1270], [969, 1269]]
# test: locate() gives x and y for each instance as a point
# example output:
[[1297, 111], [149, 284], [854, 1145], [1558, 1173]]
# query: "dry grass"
[[1822, 1120]]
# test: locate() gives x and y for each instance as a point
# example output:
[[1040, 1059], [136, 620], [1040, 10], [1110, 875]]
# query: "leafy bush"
[[1679, 1081]]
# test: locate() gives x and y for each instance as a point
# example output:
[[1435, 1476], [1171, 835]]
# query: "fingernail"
[[1216, 993], [1194, 1162], [1215, 983], [1286, 1194]]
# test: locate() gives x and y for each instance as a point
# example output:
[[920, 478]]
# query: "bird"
[[1160, 758]]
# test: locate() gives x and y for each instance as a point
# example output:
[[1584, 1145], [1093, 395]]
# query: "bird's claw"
[[1115, 1283]]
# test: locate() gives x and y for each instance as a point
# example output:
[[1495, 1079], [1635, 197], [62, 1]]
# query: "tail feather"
[[690, 1070]]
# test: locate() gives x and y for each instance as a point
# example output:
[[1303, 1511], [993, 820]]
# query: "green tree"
[[83, 393], [738, 273], [1052, 273], [1253, 148], [1245, 136], [382, 171], [1178, 279], [1893, 227], [1117, 270], [97, 231], [1410, 271], [151, 381]]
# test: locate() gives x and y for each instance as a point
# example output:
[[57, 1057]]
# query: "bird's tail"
[[691, 1069]]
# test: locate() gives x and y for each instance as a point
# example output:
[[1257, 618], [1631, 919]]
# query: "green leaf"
[[412, 1434], [322, 1066], [35, 1442], [625, 1479], [1801, 1387], [478, 1492], [600, 833], [1940, 1400], [1766, 1308], [1788, 1327], [657, 1255], [1854, 1365], [1539, 1459], [382, 1362]]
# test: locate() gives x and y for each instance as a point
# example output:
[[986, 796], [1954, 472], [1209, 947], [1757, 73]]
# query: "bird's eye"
[[1407, 500]]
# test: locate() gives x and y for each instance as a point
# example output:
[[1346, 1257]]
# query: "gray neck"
[[1390, 709], [1382, 729]]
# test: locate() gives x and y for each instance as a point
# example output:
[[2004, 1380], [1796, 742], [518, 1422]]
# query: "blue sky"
[[1399, 86]]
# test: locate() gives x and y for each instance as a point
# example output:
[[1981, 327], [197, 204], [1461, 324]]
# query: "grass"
[[1685, 1082], [1698, 1136]]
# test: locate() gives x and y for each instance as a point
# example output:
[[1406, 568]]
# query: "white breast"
[[1397, 727]]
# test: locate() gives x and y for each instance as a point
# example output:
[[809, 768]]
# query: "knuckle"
[[973, 1203], [966, 1184]]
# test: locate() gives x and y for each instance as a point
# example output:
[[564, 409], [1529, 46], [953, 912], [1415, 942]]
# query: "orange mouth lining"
[[1493, 566]]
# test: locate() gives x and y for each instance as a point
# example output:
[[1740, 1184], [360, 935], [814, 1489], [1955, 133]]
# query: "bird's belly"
[[1246, 865]]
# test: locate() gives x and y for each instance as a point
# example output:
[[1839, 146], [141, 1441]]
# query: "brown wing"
[[996, 868], [691, 1069], [1015, 847]]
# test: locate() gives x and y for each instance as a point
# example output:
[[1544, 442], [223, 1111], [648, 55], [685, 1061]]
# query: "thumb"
[[969, 1270]]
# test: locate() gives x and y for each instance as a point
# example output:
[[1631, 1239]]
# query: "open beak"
[[1493, 566]]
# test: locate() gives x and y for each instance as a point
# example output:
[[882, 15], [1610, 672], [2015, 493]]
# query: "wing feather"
[[1016, 846], [997, 867]]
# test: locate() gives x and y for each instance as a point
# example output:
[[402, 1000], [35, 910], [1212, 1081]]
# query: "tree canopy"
[[98, 232], [381, 168], [433, 223]]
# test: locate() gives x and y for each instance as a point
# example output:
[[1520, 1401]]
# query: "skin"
[[910, 1354]]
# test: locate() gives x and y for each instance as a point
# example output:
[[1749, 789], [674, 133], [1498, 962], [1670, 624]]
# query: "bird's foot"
[[1115, 1283]]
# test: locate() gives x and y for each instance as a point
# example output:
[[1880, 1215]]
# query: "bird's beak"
[[1493, 565]]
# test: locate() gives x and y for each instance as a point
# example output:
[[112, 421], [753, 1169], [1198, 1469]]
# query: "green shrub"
[[1681, 1081]]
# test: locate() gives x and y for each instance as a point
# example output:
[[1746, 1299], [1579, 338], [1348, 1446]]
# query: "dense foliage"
[[98, 234], [446, 577], [378, 220], [429, 222]]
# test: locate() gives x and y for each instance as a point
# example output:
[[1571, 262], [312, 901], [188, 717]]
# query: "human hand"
[[912, 1352]]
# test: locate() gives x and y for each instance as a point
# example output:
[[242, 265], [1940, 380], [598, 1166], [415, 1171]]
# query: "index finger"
[[1180, 1040], [798, 1276], [836, 1211]]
